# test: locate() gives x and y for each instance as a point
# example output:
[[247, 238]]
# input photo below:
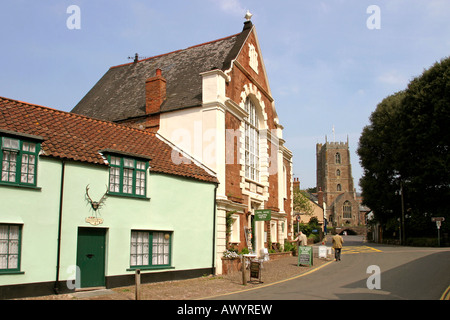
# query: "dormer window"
[[19, 161], [127, 176]]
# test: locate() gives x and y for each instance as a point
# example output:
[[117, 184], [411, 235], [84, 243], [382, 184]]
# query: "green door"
[[91, 257]]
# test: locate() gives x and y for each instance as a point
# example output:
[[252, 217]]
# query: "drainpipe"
[[58, 256], [214, 231]]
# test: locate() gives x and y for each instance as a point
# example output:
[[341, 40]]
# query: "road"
[[405, 273]]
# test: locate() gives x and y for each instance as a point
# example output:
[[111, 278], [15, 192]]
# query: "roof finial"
[[248, 16]]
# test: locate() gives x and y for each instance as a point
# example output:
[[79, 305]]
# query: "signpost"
[[438, 221], [305, 256]]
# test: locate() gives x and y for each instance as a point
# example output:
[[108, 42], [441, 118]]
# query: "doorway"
[[91, 256]]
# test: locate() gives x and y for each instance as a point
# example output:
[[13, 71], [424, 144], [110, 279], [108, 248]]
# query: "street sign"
[[263, 215], [438, 221]]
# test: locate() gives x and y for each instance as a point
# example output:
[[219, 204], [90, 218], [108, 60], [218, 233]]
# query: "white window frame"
[[252, 145], [150, 249]]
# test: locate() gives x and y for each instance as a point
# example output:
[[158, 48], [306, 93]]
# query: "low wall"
[[279, 255], [234, 265]]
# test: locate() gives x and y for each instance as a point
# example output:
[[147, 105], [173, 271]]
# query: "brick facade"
[[334, 178]]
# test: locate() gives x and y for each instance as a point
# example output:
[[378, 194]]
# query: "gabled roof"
[[120, 93], [79, 138]]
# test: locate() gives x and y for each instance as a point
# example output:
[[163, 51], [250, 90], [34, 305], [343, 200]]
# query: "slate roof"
[[80, 138], [120, 93]]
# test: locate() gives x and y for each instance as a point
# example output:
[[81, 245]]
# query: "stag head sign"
[[96, 205]]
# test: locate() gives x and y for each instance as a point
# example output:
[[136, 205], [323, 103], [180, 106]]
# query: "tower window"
[[338, 172], [338, 158], [339, 187]]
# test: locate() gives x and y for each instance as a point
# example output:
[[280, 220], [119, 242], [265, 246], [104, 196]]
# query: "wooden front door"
[[91, 257]]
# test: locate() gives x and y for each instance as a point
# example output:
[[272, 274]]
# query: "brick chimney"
[[320, 197], [155, 93], [296, 184]]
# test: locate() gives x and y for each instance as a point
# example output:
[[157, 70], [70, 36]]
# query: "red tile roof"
[[75, 137]]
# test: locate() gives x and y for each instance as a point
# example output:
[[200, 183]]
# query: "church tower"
[[334, 178]]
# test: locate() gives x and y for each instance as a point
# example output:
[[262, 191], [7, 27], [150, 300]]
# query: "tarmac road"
[[366, 272]]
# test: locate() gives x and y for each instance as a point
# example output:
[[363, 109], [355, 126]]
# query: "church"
[[335, 180], [212, 101]]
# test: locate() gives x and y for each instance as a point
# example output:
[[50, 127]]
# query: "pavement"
[[217, 287]]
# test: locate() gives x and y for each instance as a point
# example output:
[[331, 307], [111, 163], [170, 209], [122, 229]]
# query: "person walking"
[[337, 246]]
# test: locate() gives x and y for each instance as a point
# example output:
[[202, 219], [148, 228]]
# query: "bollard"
[[137, 278]]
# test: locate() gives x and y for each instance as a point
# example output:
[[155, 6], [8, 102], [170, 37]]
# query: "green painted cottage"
[[85, 202]]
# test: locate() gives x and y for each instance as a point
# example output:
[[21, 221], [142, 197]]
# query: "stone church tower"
[[334, 178]]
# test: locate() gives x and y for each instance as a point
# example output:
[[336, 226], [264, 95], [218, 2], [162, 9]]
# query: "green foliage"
[[302, 203], [245, 251], [289, 246], [406, 148]]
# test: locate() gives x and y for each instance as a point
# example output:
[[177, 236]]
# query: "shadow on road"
[[425, 278]]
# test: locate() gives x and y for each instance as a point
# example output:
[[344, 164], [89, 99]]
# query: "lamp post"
[[297, 217], [402, 231]]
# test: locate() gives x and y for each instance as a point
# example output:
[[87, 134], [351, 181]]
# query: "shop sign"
[[263, 215]]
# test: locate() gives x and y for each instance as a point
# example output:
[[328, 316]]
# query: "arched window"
[[339, 187], [347, 210], [338, 172], [251, 142], [338, 158]]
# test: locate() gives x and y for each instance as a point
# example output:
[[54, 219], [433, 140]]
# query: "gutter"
[[58, 256], [214, 231]]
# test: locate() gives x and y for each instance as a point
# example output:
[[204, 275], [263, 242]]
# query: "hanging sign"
[[263, 215], [305, 256], [94, 221]]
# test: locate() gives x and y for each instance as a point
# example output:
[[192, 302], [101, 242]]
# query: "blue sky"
[[326, 67]]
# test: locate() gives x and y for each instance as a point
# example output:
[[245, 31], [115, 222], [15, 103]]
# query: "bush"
[[315, 237], [245, 251], [289, 246], [422, 242], [230, 254]]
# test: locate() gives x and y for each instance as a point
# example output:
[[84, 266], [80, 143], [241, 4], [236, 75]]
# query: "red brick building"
[[214, 102]]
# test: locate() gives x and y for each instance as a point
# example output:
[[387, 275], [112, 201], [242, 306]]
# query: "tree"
[[423, 147], [302, 204], [377, 154], [405, 148]]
